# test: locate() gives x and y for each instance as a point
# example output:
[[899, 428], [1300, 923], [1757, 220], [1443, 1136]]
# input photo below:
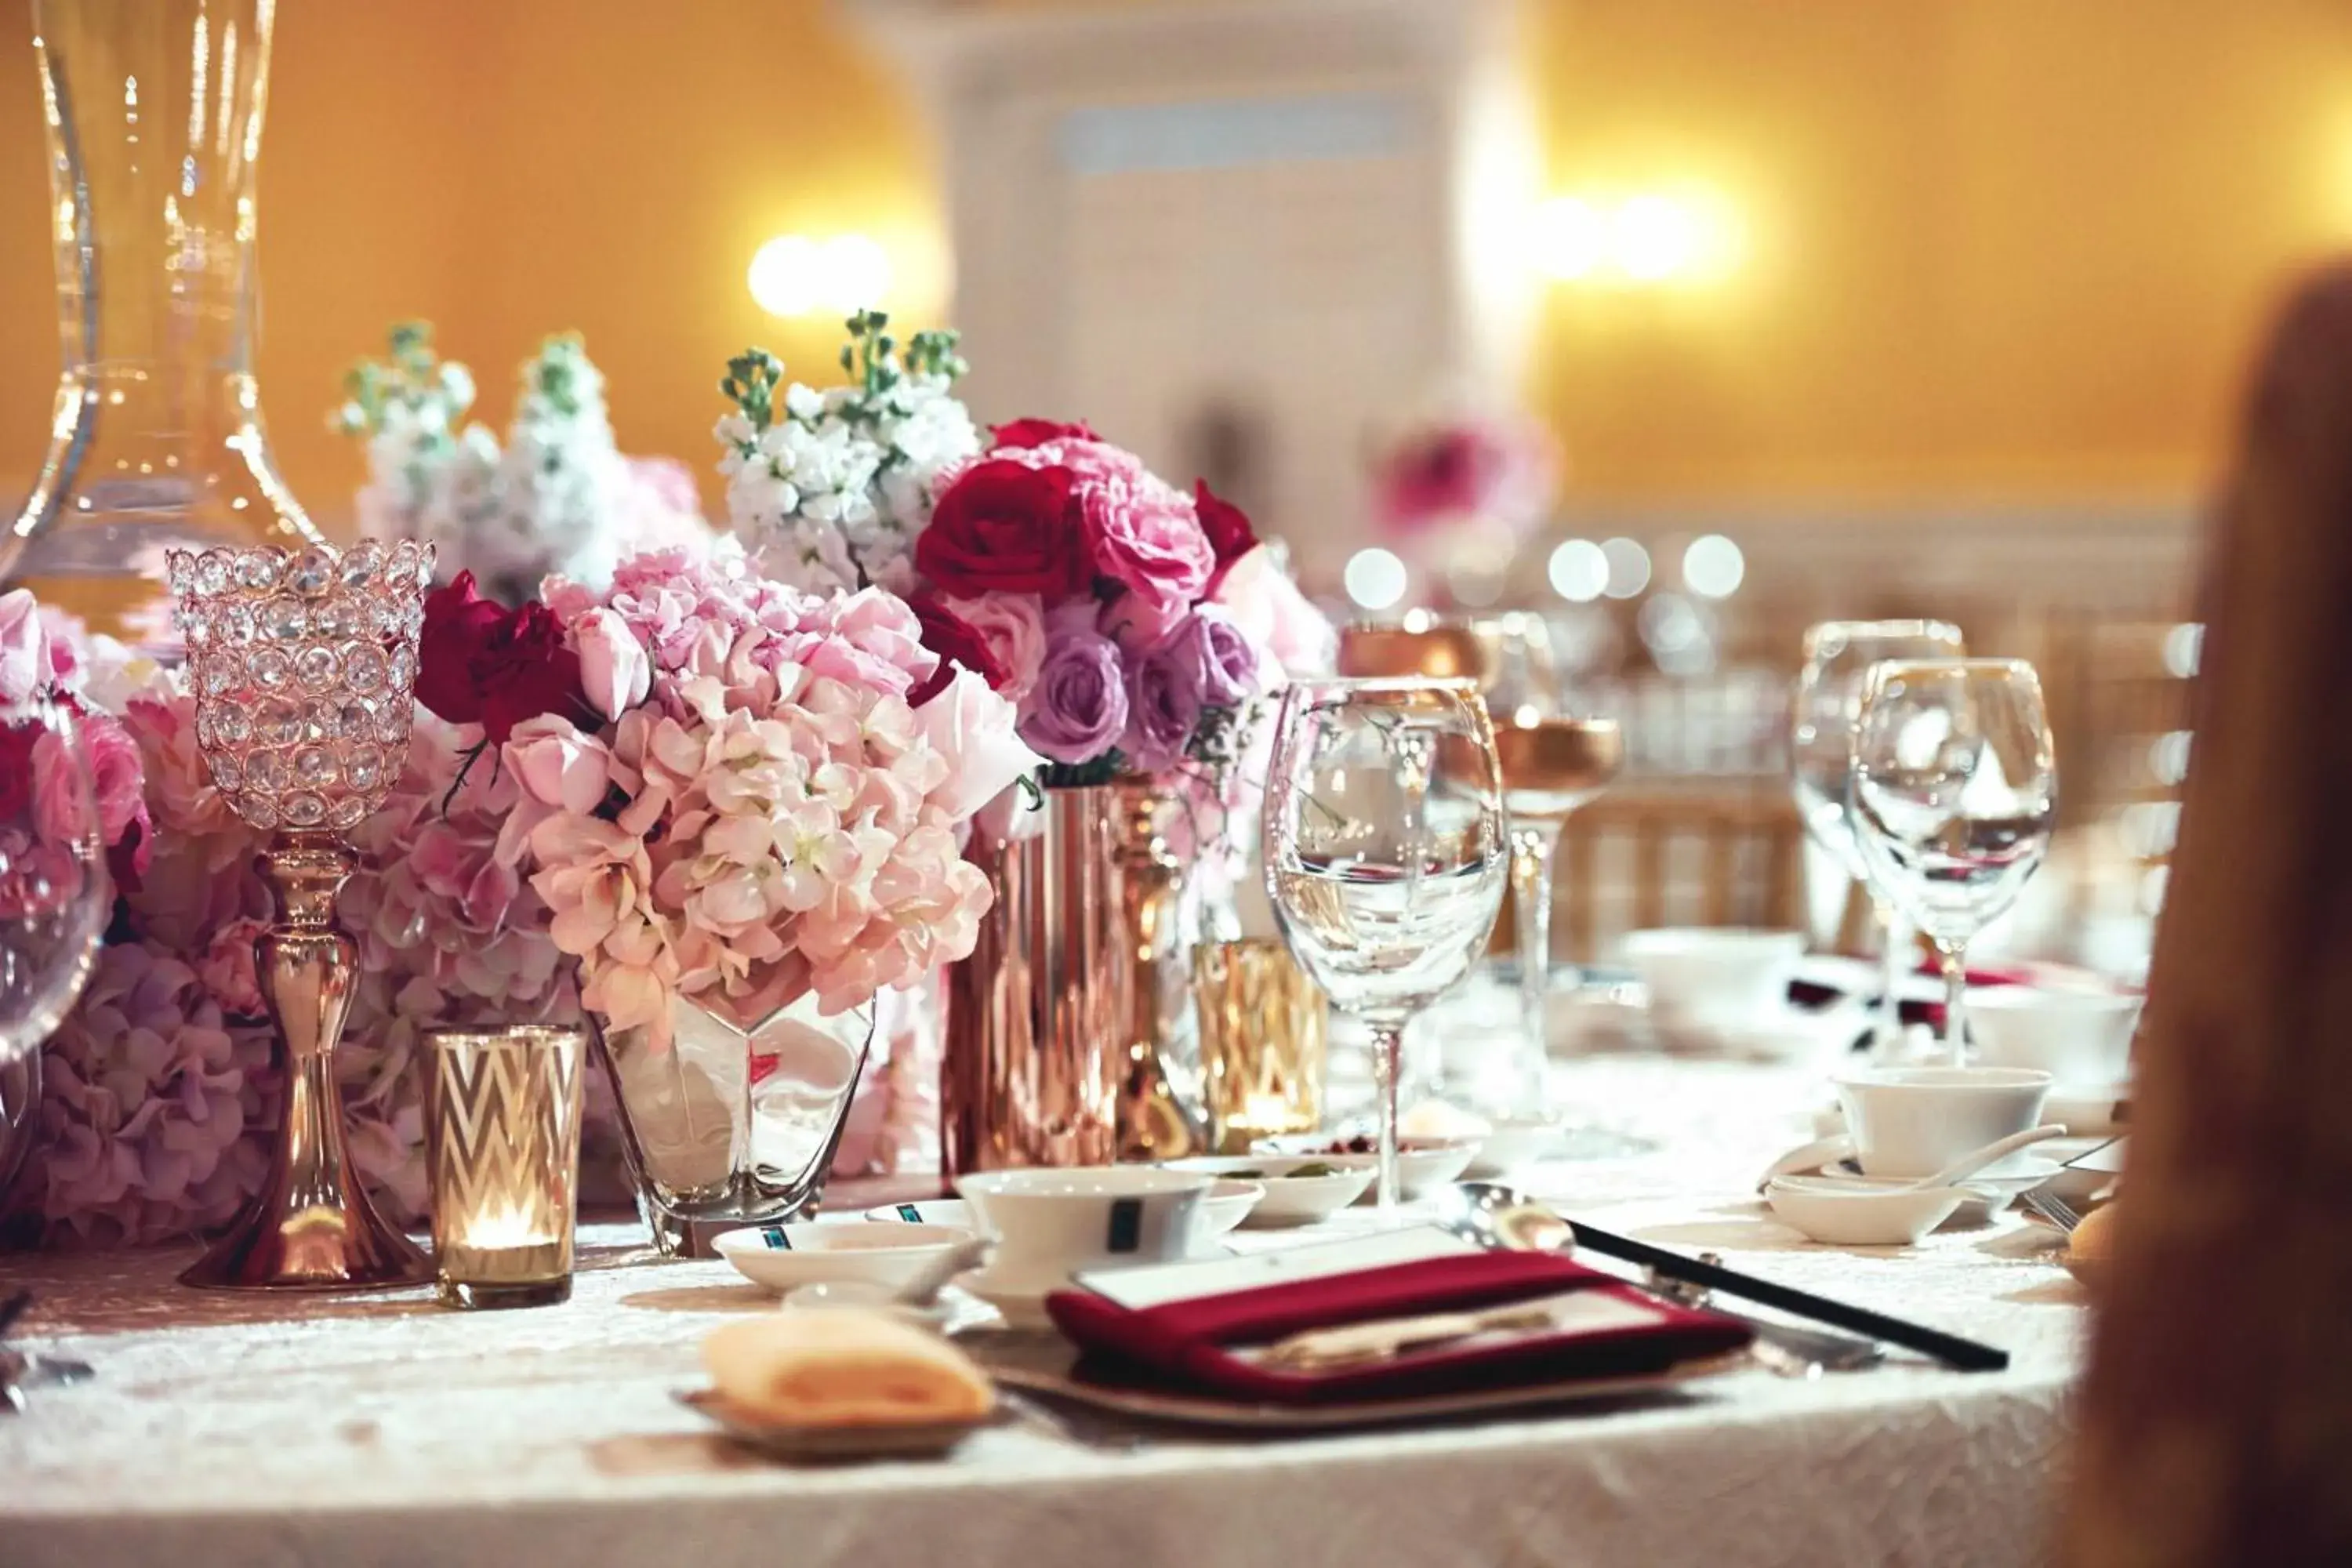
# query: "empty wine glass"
[[1385, 853], [55, 899], [1821, 713], [1955, 785]]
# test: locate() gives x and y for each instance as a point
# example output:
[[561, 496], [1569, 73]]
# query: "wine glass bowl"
[[1552, 766], [1439, 652], [1953, 792], [1385, 851]]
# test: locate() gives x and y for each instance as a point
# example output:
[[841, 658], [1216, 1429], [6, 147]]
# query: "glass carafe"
[[155, 111]]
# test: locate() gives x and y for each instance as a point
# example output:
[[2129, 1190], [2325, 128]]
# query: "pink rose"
[[227, 969], [557, 770], [1138, 623], [1271, 613], [614, 670], [972, 728], [24, 647], [1013, 627], [119, 779]]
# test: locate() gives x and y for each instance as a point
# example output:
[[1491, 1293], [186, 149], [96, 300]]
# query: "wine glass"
[[1955, 785], [1551, 767], [1821, 712], [1385, 853], [55, 900]]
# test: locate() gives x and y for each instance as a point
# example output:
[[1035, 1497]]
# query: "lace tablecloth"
[[386, 1430]]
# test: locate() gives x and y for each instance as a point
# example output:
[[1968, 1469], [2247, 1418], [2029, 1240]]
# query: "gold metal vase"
[[302, 663]]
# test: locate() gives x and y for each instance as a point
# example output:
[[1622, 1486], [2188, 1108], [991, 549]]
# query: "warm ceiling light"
[[1639, 241], [794, 275]]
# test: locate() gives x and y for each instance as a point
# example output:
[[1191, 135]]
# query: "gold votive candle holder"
[[502, 1148], [1263, 1025]]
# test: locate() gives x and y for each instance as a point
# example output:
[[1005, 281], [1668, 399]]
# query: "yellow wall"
[[1997, 248]]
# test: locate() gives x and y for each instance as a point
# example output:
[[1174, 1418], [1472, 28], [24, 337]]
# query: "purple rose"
[[1163, 706], [1228, 661], [1077, 709]]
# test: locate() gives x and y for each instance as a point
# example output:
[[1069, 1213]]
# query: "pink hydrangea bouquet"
[[727, 790]]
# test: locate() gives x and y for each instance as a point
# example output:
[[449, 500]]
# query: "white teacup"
[[2080, 1038], [1051, 1224], [1726, 978], [1907, 1122]]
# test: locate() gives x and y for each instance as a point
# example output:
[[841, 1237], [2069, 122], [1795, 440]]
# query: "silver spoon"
[[1506, 1220]]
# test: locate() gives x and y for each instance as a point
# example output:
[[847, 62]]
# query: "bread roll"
[[2093, 1243], [843, 1367]]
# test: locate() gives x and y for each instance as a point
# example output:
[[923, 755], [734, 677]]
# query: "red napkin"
[[1195, 1343]]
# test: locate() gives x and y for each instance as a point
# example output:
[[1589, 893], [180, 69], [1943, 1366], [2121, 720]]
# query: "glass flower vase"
[[155, 112], [724, 1126]]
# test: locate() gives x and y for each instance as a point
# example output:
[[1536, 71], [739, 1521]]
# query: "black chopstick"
[[1963, 1355]]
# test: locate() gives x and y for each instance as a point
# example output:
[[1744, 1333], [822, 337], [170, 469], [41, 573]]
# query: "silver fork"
[[2053, 1208]]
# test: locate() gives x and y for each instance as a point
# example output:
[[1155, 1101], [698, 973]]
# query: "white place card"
[[1159, 1284]]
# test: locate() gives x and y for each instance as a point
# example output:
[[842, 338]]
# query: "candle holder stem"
[[311, 1227]]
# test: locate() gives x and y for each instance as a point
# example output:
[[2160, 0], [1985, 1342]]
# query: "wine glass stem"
[[1894, 953], [1955, 985], [1534, 848], [1387, 1065]]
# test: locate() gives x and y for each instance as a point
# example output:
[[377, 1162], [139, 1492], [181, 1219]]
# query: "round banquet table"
[[383, 1429]]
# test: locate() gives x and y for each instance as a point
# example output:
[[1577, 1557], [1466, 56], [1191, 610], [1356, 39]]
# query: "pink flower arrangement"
[[744, 806], [1136, 626], [1466, 471]]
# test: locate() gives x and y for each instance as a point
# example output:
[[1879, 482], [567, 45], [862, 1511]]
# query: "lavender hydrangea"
[[154, 1109]]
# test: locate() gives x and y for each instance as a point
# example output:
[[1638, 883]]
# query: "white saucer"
[[1992, 1188], [1020, 1303], [2087, 1110]]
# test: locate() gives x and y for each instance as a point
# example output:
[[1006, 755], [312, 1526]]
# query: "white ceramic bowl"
[[2081, 1038], [1228, 1204], [1056, 1221], [872, 1252], [930, 1211], [1847, 1213], [1908, 1123], [1423, 1164], [1290, 1200], [1513, 1143], [1720, 980]]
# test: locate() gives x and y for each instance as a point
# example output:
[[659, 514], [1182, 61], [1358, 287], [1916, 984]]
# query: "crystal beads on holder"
[[303, 662]]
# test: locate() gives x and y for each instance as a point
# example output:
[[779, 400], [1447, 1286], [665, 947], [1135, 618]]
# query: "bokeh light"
[[1375, 578], [1579, 571]]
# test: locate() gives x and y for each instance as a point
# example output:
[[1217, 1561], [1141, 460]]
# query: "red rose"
[[478, 662], [1227, 526], [1022, 433], [1006, 528], [957, 644]]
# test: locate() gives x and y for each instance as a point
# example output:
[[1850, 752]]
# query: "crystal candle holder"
[[302, 663], [1263, 1025], [502, 1148]]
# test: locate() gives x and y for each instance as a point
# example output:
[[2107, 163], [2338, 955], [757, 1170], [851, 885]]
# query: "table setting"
[[989, 928]]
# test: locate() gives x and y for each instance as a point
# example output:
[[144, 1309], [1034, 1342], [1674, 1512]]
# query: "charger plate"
[[1099, 1389], [827, 1445]]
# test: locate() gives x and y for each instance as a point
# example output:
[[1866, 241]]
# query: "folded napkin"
[[1210, 1343]]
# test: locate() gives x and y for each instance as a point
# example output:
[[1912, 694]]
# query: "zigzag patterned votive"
[[502, 1149]]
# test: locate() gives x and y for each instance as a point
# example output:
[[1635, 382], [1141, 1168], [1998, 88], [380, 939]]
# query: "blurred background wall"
[[1992, 252]]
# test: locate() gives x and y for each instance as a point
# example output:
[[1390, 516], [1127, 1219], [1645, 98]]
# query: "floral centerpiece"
[[1459, 491], [559, 496]]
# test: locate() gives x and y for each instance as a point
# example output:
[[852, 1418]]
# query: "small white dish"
[[1423, 1164], [1989, 1191], [1718, 980], [2088, 1170], [1228, 1204], [873, 1252], [1512, 1144], [1019, 1299], [2078, 1037], [1290, 1200], [1855, 1213]]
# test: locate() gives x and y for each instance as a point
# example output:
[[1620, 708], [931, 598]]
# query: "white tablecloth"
[[375, 1430]]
